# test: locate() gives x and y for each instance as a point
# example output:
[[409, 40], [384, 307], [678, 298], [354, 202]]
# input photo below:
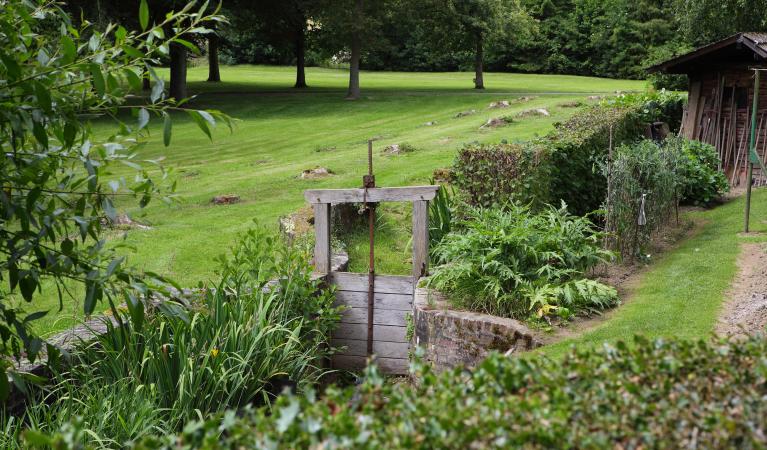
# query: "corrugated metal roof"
[[755, 41]]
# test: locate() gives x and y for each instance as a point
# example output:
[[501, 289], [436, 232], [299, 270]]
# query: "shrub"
[[235, 345], [698, 171], [665, 174], [564, 164], [511, 262], [491, 175], [650, 394], [441, 218], [641, 173]]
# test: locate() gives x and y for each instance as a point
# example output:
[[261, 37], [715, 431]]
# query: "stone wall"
[[453, 338]]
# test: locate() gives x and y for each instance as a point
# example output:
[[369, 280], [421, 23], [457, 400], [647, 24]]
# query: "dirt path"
[[745, 311]]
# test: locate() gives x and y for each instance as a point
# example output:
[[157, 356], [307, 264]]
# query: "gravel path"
[[746, 309]]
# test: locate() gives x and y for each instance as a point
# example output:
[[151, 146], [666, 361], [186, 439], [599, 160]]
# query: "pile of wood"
[[724, 121]]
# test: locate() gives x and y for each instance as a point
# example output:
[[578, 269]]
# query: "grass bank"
[[283, 131], [681, 294]]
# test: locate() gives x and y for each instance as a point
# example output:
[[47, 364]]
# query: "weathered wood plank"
[[420, 238], [391, 194], [380, 316], [391, 366], [382, 333], [356, 347], [322, 237], [384, 284], [354, 299]]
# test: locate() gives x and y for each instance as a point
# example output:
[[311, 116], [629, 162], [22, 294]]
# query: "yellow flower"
[[214, 352]]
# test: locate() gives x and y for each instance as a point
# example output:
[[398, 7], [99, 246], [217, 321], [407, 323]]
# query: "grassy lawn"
[[681, 294], [283, 131]]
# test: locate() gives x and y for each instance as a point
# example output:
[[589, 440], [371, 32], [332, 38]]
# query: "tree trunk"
[[354, 64], [479, 56], [214, 74], [300, 59], [177, 71]]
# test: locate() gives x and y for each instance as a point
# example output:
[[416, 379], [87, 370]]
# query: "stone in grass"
[[124, 221], [495, 122], [573, 104], [397, 149], [526, 98], [594, 97], [430, 123], [534, 112], [465, 113], [499, 104], [226, 199], [317, 172]]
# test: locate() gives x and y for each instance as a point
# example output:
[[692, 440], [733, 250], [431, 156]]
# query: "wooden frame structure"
[[377, 306]]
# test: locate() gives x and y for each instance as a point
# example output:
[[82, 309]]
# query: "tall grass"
[[237, 344]]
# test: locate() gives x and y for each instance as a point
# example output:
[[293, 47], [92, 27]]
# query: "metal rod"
[[751, 150], [370, 182]]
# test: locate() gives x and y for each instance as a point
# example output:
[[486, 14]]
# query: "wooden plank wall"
[[721, 123], [393, 302]]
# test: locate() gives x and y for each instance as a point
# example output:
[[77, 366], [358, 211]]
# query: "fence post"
[[322, 237], [420, 238]]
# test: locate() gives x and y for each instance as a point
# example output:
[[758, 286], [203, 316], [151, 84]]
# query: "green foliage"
[[665, 174], [698, 171], [647, 394], [58, 189], [228, 347], [704, 21], [441, 215], [565, 164], [643, 178], [514, 263], [491, 175]]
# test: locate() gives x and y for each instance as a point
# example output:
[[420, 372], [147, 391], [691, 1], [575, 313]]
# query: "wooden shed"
[[721, 85]]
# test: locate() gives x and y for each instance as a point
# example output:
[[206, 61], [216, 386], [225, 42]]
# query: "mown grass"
[[681, 294], [282, 131]]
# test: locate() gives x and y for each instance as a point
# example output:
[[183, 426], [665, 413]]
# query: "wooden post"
[[420, 238], [322, 237], [751, 149]]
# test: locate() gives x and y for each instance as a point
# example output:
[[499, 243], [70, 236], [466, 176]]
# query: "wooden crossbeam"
[[374, 195]]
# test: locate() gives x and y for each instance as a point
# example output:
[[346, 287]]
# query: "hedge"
[[649, 394], [564, 165]]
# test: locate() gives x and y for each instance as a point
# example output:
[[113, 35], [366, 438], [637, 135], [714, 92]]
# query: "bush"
[[651, 394], [511, 262], [235, 345], [491, 175], [643, 178], [563, 165], [698, 171]]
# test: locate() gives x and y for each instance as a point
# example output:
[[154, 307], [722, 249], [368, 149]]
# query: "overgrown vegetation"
[[648, 182], [564, 164], [59, 189], [239, 343], [644, 394], [698, 172], [514, 263]]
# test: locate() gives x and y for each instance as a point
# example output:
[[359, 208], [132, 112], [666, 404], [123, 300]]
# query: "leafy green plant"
[[59, 191], [642, 394], [441, 212], [698, 172], [515, 263], [264, 326]]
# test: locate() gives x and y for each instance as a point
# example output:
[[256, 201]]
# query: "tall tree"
[[351, 26], [703, 21], [473, 24]]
